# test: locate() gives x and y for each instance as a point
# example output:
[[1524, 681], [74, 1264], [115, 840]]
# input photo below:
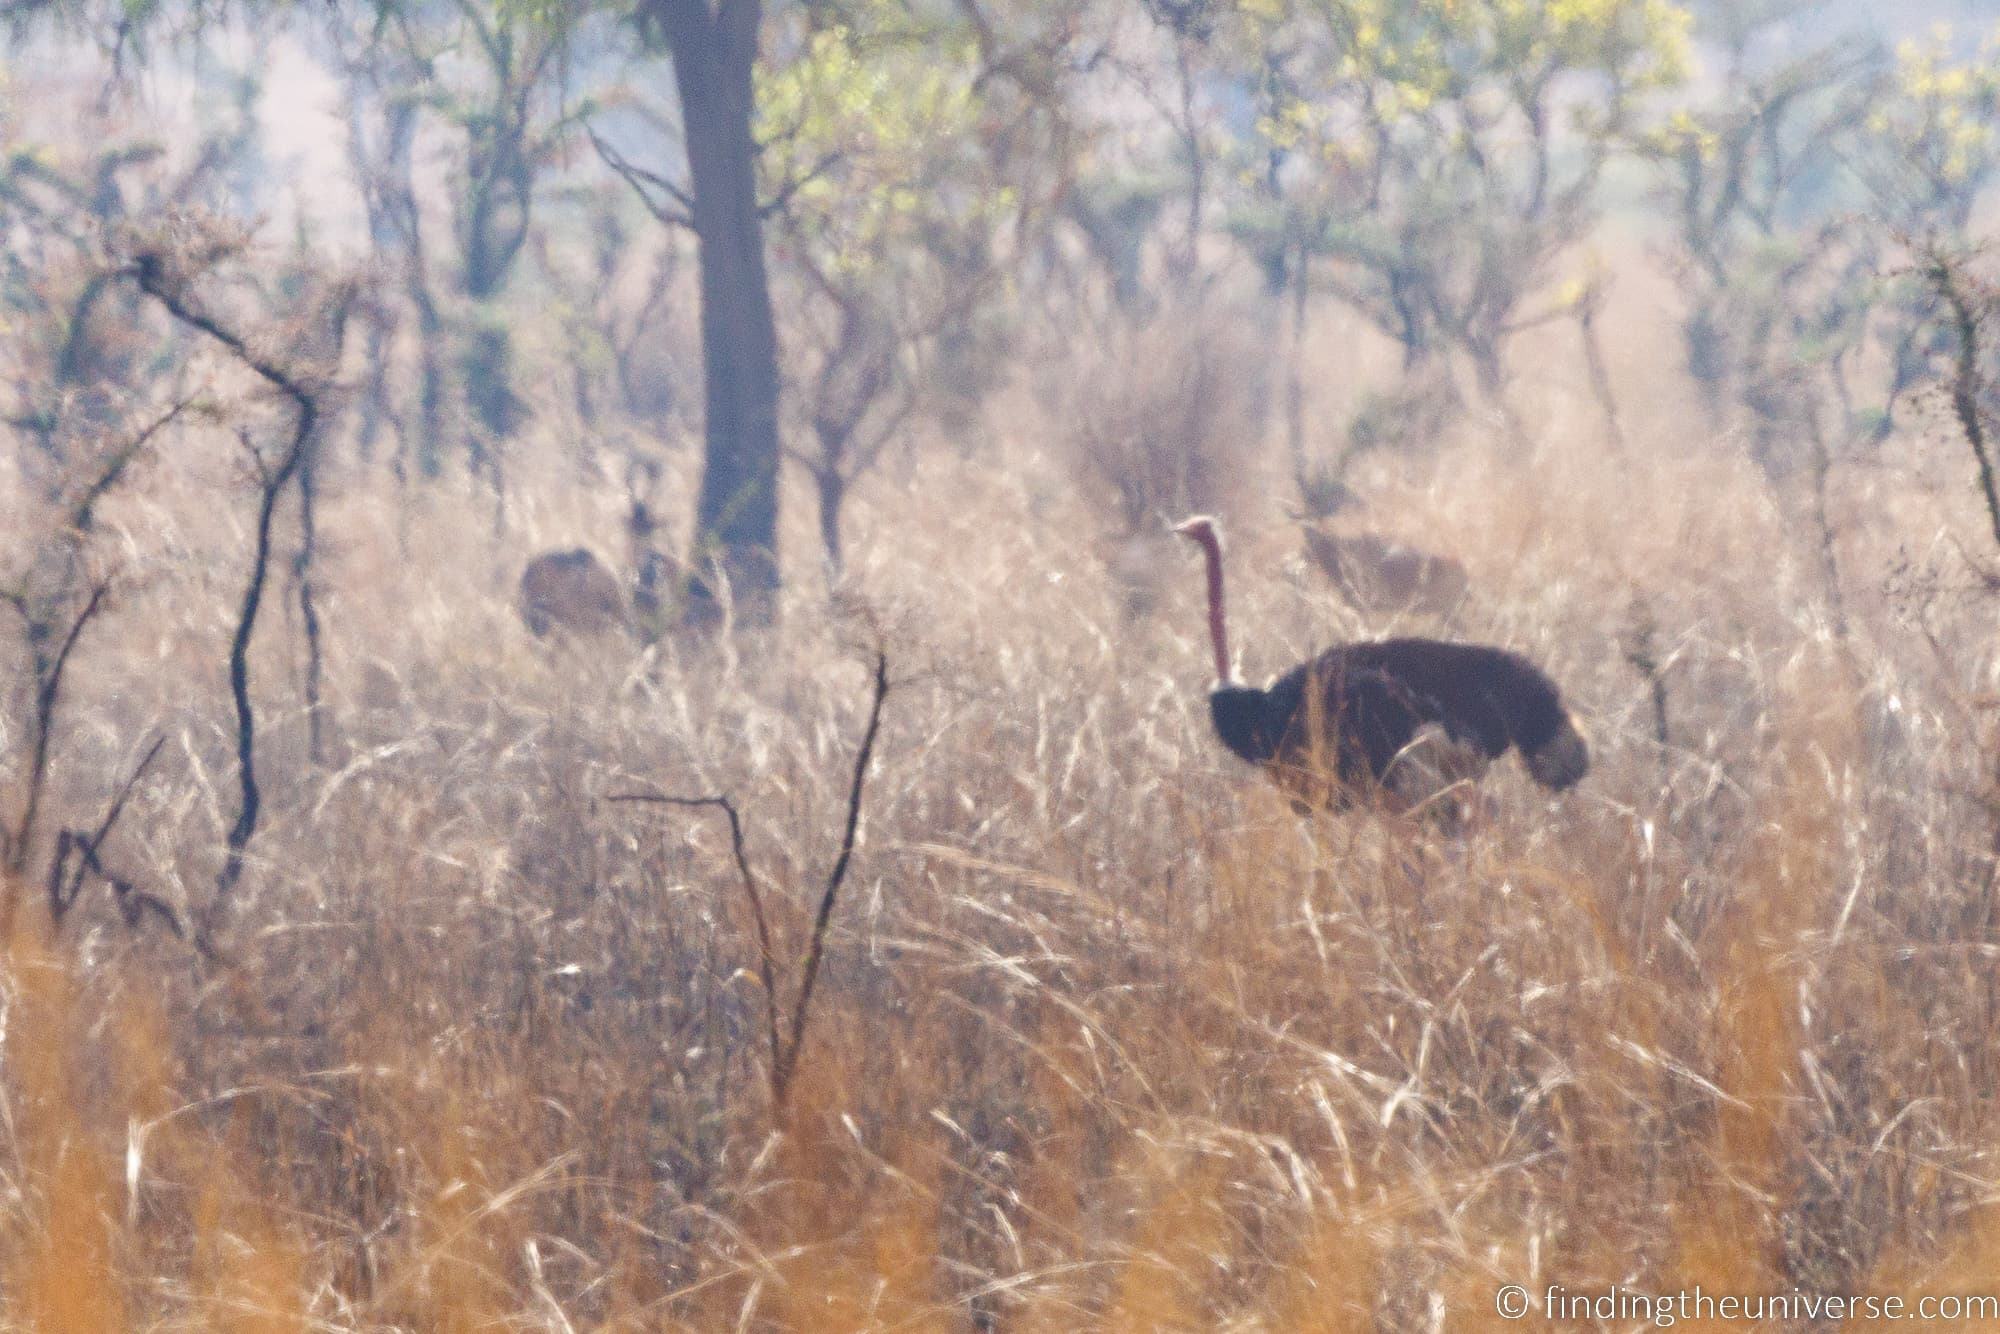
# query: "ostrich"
[[1398, 718]]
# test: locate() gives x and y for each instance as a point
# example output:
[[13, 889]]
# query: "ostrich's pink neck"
[[1218, 626]]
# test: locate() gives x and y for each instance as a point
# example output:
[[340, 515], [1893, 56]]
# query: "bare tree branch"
[[782, 200], [1942, 270], [83, 850], [150, 271], [83, 510], [766, 962], [816, 947], [641, 180], [787, 1044], [47, 691]]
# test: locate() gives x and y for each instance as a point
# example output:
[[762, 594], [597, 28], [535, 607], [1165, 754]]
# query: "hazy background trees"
[[1654, 339], [847, 220], [855, 223]]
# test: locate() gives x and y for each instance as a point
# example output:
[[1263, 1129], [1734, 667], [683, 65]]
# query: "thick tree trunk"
[[736, 520]]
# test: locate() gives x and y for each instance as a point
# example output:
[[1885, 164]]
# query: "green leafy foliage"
[[880, 162], [872, 144], [1934, 136], [1442, 153]]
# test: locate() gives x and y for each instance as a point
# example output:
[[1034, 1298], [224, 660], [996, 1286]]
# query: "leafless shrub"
[[1161, 419], [16, 842], [1969, 303]]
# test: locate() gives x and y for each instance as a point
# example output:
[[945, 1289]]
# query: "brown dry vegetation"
[[1108, 1037]]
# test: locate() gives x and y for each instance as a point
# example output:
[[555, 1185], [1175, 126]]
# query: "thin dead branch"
[[766, 961], [82, 512], [1944, 276], [150, 270], [1642, 652], [787, 1046], [47, 692], [644, 183], [77, 857], [816, 948]]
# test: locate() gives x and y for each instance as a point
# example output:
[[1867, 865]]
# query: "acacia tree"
[[890, 213], [1429, 163], [1780, 287], [1929, 156], [1932, 142], [514, 120], [495, 75], [1751, 182], [744, 164], [76, 352], [82, 362], [384, 74], [1797, 193], [1166, 62]]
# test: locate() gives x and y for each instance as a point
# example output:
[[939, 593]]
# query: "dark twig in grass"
[[302, 577], [77, 856], [151, 271], [1943, 273], [766, 960], [48, 691], [816, 949], [133, 903], [1642, 652], [786, 1046]]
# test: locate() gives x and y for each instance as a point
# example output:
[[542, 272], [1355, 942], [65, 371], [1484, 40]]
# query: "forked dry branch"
[[15, 843], [168, 277], [786, 1046], [1967, 310], [76, 857]]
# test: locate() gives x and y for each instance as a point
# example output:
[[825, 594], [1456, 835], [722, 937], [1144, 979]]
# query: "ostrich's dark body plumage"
[[1390, 716], [1357, 707]]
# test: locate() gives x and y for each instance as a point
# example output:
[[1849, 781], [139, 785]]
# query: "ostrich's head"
[[1201, 531]]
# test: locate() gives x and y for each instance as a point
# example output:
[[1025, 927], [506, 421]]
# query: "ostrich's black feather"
[[1350, 720], [1350, 712], [1248, 721], [1489, 696]]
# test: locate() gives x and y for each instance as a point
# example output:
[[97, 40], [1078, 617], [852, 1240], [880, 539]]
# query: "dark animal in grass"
[[1374, 572], [574, 592], [1397, 721], [571, 591], [1377, 574]]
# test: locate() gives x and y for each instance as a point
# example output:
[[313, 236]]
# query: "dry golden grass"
[[1108, 1037]]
